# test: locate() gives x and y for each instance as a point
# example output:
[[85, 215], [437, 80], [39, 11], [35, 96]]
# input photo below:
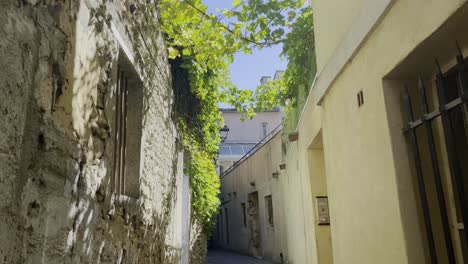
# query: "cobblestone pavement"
[[216, 256]]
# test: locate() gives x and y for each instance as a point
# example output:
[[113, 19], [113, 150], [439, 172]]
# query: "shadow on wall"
[[63, 205]]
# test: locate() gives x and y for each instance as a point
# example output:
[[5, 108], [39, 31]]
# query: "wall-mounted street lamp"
[[224, 133]]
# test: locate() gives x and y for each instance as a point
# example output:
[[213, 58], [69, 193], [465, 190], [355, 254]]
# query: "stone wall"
[[198, 242], [58, 71]]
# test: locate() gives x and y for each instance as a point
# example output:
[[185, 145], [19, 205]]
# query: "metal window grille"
[[120, 133], [425, 121]]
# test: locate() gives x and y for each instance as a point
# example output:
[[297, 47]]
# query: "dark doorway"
[[254, 225], [227, 225]]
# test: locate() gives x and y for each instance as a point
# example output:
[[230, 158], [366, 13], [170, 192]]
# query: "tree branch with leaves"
[[208, 42]]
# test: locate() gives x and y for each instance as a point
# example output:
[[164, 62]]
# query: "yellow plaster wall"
[[366, 220], [300, 220], [257, 169], [332, 19], [318, 178]]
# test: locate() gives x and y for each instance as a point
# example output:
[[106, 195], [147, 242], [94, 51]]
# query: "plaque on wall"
[[323, 214]]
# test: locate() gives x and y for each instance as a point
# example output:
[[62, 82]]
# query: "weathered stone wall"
[[58, 67], [198, 242]]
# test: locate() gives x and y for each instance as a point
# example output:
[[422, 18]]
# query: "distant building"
[[248, 156], [251, 217], [244, 135]]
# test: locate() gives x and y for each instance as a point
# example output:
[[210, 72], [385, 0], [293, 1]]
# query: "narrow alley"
[[216, 256]]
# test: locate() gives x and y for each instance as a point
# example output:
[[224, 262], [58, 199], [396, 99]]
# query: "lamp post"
[[224, 133]]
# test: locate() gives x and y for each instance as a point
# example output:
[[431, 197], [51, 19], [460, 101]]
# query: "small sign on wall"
[[323, 214]]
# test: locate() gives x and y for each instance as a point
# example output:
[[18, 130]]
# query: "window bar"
[[436, 172], [421, 184], [450, 145], [450, 105], [122, 127], [463, 85], [121, 132], [116, 175], [124, 134], [462, 73]]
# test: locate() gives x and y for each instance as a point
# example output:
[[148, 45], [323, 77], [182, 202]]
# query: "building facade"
[[246, 192], [383, 137], [91, 168], [376, 171], [244, 135], [251, 217]]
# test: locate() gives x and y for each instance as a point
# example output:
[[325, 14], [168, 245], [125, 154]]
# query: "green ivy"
[[297, 80]]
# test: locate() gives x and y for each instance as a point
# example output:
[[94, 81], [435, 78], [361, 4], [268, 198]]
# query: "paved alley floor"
[[216, 256]]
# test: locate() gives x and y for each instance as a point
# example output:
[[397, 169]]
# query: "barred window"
[[128, 129]]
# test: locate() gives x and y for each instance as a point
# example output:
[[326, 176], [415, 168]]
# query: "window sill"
[[121, 199], [122, 205]]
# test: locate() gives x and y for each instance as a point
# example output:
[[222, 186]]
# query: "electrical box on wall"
[[323, 214]]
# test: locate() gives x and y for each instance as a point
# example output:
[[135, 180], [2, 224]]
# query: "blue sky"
[[246, 70]]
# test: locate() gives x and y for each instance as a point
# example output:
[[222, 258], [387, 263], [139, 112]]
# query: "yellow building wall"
[[299, 223], [316, 164], [364, 195], [298, 200], [255, 174], [332, 19]]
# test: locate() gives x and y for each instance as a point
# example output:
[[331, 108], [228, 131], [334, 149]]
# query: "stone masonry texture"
[[198, 242], [58, 71]]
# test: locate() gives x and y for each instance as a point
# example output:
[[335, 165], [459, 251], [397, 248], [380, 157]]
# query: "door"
[[254, 225]]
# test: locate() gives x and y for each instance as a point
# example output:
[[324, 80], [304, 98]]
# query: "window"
[[225, 164], [269, 209], [244, 214], [128, 129], [247, 148], [237, 150], [448, 89], [264, 129], [224, 151]]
